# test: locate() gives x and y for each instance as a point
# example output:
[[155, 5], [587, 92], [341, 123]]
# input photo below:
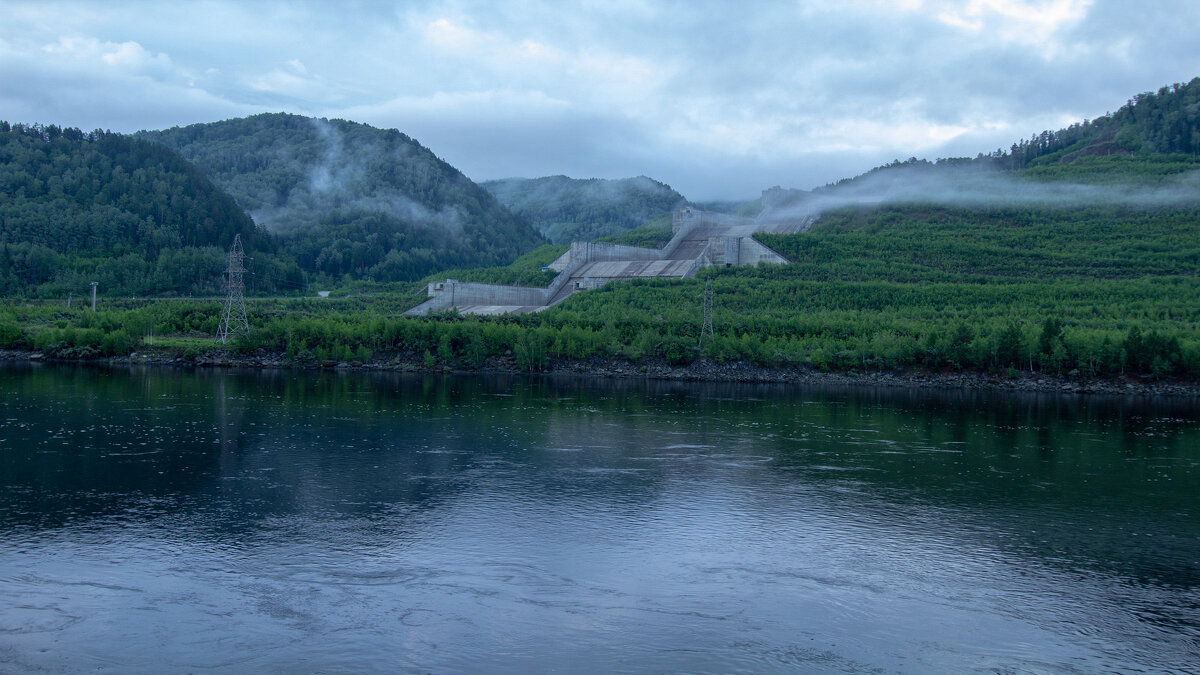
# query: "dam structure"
[[699, 239]]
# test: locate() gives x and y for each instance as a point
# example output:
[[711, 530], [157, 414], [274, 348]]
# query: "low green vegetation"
[[1139, 169], [928, 243], [1071, 292]]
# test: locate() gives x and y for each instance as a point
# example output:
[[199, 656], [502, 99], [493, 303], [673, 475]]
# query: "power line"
[[233, 318]]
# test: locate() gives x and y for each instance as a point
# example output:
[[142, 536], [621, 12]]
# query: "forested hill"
[[1147, 154], [1164, 122], [1151, 129], [568, 209], [133, 215], [350, 199]]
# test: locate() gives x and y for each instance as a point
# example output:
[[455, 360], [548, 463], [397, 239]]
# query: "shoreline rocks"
[[702, 370]]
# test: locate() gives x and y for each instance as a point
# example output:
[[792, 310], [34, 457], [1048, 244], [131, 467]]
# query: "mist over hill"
[[570, 209], [341, 200], [1144, 155], [350, 199]]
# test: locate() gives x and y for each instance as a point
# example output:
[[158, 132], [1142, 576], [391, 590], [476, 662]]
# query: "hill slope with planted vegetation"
[[350, 200], [1077, 251], [1085, 266]]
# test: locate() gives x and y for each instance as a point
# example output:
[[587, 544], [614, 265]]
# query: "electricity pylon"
[[233, 318], [707, 328]]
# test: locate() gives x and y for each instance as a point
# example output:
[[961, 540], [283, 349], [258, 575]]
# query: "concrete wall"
[[451, 293], [724, 250], [752, 252], [560, 263], [590, 251], [489, 294], [739, 251]]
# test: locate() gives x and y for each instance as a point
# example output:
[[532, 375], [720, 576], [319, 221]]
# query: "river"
[[157, 520]]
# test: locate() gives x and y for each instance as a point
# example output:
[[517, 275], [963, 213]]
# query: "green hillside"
[[1166, 122], [348, 199], [1154, 135], [1077, 251], [132, 215], [1077, 264], [569, 209]]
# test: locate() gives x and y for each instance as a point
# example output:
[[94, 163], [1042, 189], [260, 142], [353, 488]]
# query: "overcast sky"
[[718, 99]]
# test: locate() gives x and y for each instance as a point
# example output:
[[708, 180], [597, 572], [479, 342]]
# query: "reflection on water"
[[293, 521]]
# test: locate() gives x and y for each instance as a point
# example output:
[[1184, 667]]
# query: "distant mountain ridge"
[[350, 199], [571, 209]]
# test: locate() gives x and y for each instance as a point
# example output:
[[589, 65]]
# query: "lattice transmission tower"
[[233, 318], [706, 328]]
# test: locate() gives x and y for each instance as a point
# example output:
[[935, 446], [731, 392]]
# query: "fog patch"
[[973, 186], [572, 209]]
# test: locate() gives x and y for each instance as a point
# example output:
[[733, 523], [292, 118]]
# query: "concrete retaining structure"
[[699, 238], [741, 251], [444, 295], [597, 251]]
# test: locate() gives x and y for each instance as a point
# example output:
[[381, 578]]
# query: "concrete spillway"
[[699, 239]]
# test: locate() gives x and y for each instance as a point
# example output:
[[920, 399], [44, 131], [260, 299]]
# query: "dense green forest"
[[132, 215], [348, 200], [569, 209]]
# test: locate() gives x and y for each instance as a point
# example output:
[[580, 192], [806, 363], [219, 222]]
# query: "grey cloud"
[[581, 145], [780, 70], [51, 95]]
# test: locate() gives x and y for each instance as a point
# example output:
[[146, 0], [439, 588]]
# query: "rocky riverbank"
[[711, 371], [702, 370]]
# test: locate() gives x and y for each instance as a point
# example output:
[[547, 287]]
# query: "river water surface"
[[170, 521]]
